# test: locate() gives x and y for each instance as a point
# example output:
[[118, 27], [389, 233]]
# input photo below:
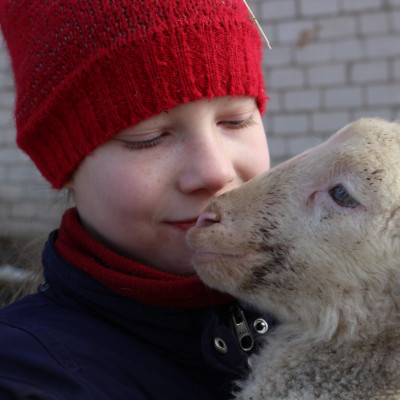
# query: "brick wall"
[[332, 61], [28, 205]]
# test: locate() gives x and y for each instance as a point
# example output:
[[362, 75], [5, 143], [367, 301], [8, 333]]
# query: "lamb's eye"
[[341, 197]]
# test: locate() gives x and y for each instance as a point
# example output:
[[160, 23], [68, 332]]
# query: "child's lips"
[[183, 225]]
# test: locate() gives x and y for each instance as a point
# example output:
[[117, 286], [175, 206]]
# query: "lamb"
[[316, 241]]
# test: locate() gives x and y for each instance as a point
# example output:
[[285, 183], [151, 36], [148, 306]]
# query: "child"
[[145, 111]]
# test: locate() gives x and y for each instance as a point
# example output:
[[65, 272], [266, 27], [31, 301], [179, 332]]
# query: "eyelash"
[[146, 144], [245, 123]]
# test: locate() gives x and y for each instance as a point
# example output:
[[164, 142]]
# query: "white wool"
[[330, 272]]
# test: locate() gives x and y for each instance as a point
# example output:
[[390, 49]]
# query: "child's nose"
[[209, 166]]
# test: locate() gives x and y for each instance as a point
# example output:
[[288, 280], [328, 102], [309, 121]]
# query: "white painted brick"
[[3, 173], [396, 69], [8, 135], [23, 210], [383, 46], [7, 101], [6, 117], [279, 56], [343, 97], [302, 100], [266, 123], [20, 173], [290, 124], [5, 61], [395, 21], [361, 5], [329, 121], [277, 147], [11, 192], [327, 75], [374, 23], [21, 227], [270, 32], [297, 146], [37, 188], [318, 7], [49, 211], [274, 161], [289, 32], [11, 155], [4, 56], [348, 50], [274, 104], [279, 9], [381, 113], [383, 94], [314, 53], [370, 71], [4, 212], [6, 83], [337, 27], [39, 191], [394, 3], [286, 77]]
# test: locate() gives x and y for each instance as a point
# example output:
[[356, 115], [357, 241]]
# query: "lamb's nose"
[[206, 219]]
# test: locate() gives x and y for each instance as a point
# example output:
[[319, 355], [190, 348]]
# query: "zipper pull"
[[241, 329]]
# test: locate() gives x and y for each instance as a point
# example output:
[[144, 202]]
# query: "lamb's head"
[[312, 232]]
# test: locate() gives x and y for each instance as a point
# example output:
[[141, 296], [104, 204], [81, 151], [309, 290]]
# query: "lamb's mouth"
[[210, 256]]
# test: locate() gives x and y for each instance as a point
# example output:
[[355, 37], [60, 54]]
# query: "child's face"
[[142, 190]]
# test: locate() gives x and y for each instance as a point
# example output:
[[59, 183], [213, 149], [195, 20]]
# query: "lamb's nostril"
[[207, 219]]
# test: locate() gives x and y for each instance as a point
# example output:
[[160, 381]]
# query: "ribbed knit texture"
[[128, 277], [85, 69]]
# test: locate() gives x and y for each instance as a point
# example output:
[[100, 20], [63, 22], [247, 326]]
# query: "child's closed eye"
[[238, 123], [137, 144]]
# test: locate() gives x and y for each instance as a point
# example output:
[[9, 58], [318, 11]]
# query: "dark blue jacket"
[[76, 339]]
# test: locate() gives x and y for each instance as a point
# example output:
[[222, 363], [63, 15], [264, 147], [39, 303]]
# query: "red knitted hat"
[[86, 69]]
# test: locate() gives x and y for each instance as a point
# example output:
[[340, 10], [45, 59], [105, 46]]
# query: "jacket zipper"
[[241, 329]]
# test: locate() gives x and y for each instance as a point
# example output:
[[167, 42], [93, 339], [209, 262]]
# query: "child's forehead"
[[215, 105]]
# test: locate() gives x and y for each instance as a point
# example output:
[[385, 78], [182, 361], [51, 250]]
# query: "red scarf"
[[128, 277]]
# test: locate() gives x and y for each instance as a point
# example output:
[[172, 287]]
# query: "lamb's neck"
[[355, 320]]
